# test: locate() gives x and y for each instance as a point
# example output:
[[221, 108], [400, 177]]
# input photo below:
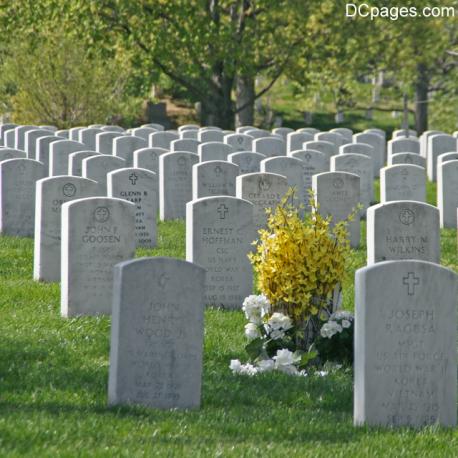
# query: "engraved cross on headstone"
[[222, 210], [411, 281], [133, 178]]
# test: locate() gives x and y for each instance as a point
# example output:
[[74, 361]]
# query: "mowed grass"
[[54, 376]]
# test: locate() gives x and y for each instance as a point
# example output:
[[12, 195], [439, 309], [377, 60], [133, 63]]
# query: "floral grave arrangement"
[[300, 265]]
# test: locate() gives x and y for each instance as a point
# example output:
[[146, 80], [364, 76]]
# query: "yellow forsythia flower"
[[300, 262]]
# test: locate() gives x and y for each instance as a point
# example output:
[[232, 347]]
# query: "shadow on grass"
[[270, 407], [274, 397]]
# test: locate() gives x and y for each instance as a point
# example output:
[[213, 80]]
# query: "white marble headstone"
[[295, 140], [439, 144], [175, 183], [104, 141], [51, 193], [124, 147], [157, 334], [240, 142], [11, 153], [338, 195], [219, 232], [403, 182], [327, 148], [148, 158], [185, 144], [294, 171], [214, 151], [59, 153], [403, 230], [270, 146], [263, 190], [89, 137], [407, 158], [405, 345], [17, 196], [248, 161], [75, 162], [360, 165], [97, 167], [139, 186], [96, 235], [214, 178], [162, 139], [447, 193]]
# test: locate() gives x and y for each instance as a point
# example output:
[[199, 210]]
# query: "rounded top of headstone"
[[337, 178], [405, 265], [216, 199], [132, 173], [401, 204], [399, 167], [151, 149], [64, 179], [248, 176], [161, 261], [102, 199]]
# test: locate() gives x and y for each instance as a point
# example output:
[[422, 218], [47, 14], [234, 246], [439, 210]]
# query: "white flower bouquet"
[[272, 345], [335, 342], [271, 341]]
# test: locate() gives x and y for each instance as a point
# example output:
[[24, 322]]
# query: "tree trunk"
[[217, 108], [421, 99], [245, 96]]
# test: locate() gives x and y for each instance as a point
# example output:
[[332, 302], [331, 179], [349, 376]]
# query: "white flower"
[[324, 330], [245, 369], [330, 328], [266, 365], [284, 357], [252, 331], [280, 321], [345, 324], [275, 335], [248, 369], [235, 366], [256, 307], [342, 315], [322, 373]]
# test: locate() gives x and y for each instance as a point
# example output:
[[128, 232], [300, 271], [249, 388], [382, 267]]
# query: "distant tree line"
[[73, 60]]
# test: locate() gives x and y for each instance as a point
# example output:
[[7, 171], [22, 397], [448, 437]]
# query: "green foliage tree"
[[52, 80], [419, 52], [418, 55], [202, 45]]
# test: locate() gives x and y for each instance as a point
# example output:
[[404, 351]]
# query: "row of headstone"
[[430, 146], [395, 186], [400, 183], [96, 234], [405, 302], [124, 147], [219, 231]]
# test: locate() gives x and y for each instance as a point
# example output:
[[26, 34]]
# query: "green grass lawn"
[[54, 376]]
